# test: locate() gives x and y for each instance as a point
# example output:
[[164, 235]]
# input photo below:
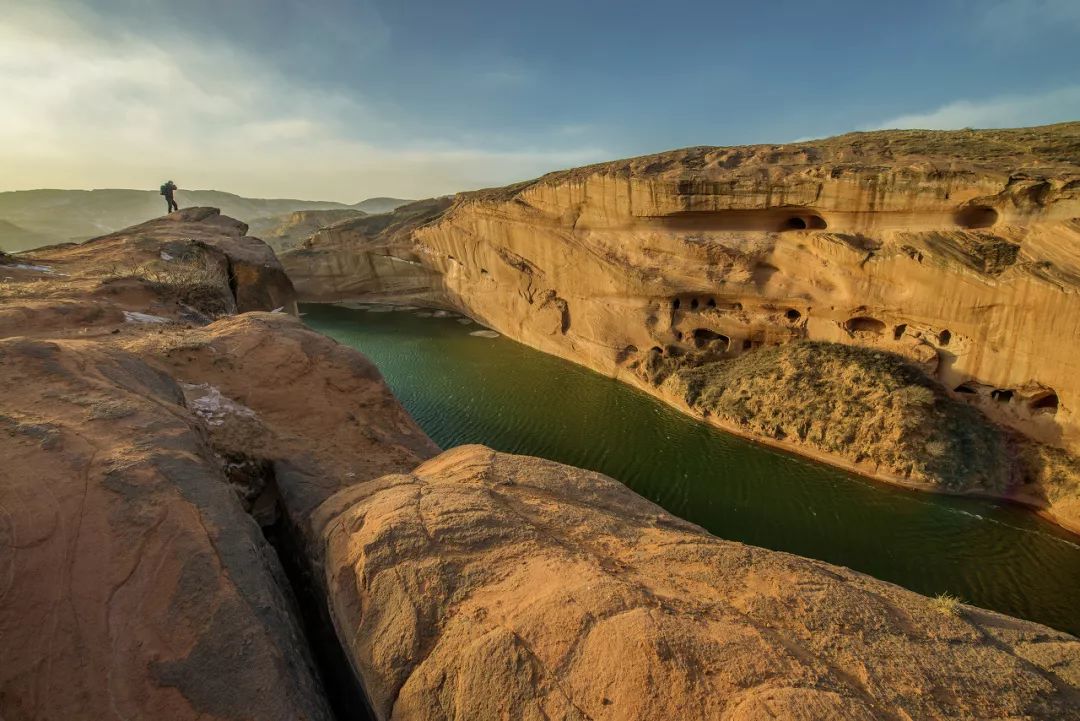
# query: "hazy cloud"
[[1006, 111], [86, 109], [1009, 20]]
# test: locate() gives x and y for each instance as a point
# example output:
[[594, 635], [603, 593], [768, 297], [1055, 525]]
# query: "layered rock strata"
[[149, 433], [957, 251]]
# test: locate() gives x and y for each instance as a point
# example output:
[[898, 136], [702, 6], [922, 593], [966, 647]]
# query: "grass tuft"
[[946, 604]]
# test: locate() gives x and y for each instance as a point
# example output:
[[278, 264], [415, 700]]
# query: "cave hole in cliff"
[[898, 331], [1045, 402], [865, 324], [1002, 395], [694, 304], [711, 302], [656, 349], [976, 216], [705, 337], [804, 222], [678, 334], [966, 388], [944, 337], [676, 304], [792, 314]]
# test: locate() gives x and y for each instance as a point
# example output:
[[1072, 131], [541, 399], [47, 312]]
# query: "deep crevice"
[[230, 275], [344, 693]]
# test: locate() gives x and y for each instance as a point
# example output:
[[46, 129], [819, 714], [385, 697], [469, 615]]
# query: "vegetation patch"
[[946, 604], [194, 280], [865, 405]]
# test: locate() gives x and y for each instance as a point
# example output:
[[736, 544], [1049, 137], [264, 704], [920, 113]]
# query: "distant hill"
[[374, 206], [32, 218], [13, 238]]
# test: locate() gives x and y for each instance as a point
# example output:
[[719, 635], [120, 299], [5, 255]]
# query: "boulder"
[[485, 585]]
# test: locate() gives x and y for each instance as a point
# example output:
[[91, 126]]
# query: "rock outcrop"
[[484, 585], [958, 251], [145, 447], [154, 442], [132, 583], [283, 232]]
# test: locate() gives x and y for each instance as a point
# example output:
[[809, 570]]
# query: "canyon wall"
[[207, 514], [959, 251]]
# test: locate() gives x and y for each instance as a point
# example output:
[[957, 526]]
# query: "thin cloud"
[[1006, 111], [1011, 20], [88, 111]]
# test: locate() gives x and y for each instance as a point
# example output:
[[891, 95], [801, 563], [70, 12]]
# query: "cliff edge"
[[209, 514], [956, 252]]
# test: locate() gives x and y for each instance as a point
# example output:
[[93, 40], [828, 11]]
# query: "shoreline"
[[794, 449]]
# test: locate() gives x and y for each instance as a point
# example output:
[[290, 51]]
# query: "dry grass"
[[36, 288], [869, 406], [193, 280], [946, 604], [1056, 472]]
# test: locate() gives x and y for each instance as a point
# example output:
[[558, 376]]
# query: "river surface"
[[463, 388]]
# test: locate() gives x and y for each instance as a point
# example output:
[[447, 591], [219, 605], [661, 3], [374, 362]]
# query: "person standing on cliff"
[[167, 190]]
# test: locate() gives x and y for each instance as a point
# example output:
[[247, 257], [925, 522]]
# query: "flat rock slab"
[[132, 583], [485, 585]]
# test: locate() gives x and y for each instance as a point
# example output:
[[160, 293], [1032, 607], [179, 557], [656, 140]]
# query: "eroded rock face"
[[132, 584], [145, 446], [959, 251], [484, 585]]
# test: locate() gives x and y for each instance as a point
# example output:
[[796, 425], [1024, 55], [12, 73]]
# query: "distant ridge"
[[32, 218], [374, 206]]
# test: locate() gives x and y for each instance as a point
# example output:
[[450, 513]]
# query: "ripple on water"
[[518, 400]]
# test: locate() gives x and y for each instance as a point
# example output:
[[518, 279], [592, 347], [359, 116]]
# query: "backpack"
[[164, 190]]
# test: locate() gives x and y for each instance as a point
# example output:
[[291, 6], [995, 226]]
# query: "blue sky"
[[345, 99]]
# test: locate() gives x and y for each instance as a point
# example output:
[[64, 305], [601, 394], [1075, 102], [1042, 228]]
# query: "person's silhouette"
[[167, 190]]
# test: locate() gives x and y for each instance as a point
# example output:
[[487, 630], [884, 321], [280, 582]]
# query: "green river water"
[[463, 388]]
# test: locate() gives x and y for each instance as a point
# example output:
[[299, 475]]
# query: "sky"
[[348, 99]]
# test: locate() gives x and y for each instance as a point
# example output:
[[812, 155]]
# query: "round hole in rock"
[[898, 331], [747, 344], [792, 314], [865, 324], [694, 304], [711, 302], [1046, 402], [676, 303], [965, 388], [804, 222], [678, 334], [976, 216], [1001, 395], [704, 337], [944, 337]]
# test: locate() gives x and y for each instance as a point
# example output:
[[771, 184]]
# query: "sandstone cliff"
[[958, 251], [150, 433], [282, 232]]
